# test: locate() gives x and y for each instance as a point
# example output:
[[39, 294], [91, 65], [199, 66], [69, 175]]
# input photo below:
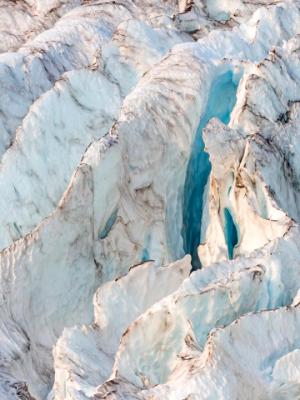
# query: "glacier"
[[150, 200], [198, 169]]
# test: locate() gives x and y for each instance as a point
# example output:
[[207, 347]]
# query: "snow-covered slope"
[[133, 133]]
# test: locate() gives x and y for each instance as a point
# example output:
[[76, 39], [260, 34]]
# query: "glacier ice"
[[220, 102], [231, 233], [149, 209]]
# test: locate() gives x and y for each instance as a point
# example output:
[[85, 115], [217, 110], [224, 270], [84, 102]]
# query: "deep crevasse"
[[221, 100]]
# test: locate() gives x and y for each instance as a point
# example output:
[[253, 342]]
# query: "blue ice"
[[221, 100], [145, 255], [109, 224], [231, 234]]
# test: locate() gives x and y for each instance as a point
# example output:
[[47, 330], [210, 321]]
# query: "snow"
[[149, 211]]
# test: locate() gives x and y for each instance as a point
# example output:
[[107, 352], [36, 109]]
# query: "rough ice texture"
[[132, 133]]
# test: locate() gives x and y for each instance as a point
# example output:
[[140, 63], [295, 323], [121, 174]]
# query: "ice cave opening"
[[221, 100]]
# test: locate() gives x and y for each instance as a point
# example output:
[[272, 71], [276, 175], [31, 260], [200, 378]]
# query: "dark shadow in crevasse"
[[231, 234]]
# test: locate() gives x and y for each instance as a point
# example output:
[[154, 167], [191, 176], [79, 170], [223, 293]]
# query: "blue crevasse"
[[221, 100], [231, 233], [145, 255], [109, 224]]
